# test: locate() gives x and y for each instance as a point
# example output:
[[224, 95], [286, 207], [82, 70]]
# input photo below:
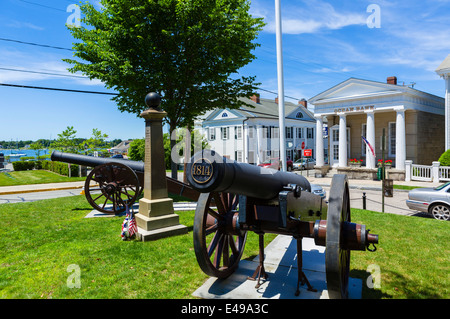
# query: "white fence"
[[434, 173]]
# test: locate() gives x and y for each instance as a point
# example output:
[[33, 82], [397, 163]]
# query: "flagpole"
[[280, 85]]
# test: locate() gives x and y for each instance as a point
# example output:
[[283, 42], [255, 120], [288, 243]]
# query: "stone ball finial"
[[153, 100]]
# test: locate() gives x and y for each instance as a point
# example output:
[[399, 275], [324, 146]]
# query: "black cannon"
[[238, 197], [113, 184]]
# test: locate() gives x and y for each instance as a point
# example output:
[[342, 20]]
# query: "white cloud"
[[39, 65], [21, 24], [309, 17]]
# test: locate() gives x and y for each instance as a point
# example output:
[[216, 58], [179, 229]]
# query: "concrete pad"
[[281, 265]]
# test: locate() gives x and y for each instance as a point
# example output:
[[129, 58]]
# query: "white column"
[[342, 140], [435, 171], [244, 142], [408, 165], [320, 161], [370, 132], [400, 140], [447, 111], [258, 149]]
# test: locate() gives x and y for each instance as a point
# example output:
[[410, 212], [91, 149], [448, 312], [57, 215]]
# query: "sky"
[[324, 44]]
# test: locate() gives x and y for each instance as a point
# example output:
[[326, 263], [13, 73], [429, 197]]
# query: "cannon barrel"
[[94, 161], [209, 172]]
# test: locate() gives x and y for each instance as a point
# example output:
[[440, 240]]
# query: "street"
[[34, 196], [393, 205]]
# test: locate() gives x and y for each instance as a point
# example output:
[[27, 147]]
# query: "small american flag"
[[368, 144], [132, 227], [129, 227]]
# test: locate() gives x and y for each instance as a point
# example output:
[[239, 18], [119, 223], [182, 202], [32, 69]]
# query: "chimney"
[[392, 80], [303, 102], [255, 98], [276, 100]]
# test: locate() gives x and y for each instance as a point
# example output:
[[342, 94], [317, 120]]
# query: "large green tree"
[[188, 51]]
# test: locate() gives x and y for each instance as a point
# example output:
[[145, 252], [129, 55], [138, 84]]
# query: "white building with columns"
[[251, 134], [444, 71], [413, 121]]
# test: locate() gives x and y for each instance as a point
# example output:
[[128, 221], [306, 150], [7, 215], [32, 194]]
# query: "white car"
[[435, 201], [318, 190], [304, 163]]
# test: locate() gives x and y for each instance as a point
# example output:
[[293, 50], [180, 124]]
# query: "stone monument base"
[[156, 219]]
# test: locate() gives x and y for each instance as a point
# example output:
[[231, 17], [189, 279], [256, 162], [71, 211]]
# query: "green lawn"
[[34, 177], [41, 241]]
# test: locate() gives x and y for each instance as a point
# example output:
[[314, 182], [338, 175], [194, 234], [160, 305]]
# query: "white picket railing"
[[444, 173], [434, 173], [421, 173]]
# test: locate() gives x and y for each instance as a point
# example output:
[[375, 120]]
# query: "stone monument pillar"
[[156, 218]]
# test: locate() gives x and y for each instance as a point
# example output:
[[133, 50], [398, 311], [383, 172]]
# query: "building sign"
[[354, 109]]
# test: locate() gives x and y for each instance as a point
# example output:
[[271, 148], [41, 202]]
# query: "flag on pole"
[[368, 145], [129, 227]]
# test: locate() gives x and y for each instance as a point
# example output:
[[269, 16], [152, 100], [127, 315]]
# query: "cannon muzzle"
[[209, 172]]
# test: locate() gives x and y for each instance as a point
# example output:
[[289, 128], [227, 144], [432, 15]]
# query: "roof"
[[444, 67], [269, 108], [382, 86]]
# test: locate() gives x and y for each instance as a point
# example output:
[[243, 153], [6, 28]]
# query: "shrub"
[[445, 158], [60, 168], [23, 165]]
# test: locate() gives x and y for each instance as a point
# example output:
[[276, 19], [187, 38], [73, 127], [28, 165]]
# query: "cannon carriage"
[[113, 183], [238, 197]]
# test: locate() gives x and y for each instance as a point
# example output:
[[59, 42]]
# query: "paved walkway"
[[372, 190]]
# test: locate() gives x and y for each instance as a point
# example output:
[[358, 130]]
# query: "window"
[[363, 145], [289, 132], [336, 152], [225, 132], [275, 131], [238, 156], [299, 115], [310, 132], [238, 132], [335, 135], [266, 131], [299, 131], [224, 114], [212, 133], [251, 130], [289, 154], [391, 143]]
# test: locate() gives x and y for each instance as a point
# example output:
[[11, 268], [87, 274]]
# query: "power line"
[[36, 44], [44, 73], [54, 89], [42, 5]]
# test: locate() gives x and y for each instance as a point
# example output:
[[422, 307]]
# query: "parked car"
[[117, 156], [275, 163], [304, 163], [318, 190], [435, 201]]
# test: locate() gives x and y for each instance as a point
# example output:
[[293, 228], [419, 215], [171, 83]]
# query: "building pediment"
[[224, 114], [356, 89]]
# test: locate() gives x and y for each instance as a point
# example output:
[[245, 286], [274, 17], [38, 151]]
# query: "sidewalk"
[[323, 181]]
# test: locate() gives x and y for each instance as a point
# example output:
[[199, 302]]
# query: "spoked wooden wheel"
[[337, 259], [109, 188], [218, 241]]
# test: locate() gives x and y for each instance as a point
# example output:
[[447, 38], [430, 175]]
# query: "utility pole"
[[280, 85], [383, 147]]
